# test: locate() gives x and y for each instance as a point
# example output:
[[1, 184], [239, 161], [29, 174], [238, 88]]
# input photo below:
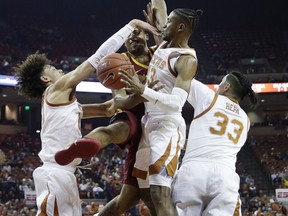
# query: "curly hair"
[[28, 75]]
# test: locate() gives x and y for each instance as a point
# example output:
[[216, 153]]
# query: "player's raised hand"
[[149, 15], [136, 23]]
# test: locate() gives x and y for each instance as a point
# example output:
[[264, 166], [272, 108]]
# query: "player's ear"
[[227, 86], [44, 79], [181, 26]]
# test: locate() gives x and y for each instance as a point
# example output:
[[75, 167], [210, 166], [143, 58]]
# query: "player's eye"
[[136, 32]]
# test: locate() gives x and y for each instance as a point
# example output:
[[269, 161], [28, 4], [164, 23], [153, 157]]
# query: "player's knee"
[[145, 195], [159, 193], [155, 194], [122, 204], [121, 128], [104, 131]]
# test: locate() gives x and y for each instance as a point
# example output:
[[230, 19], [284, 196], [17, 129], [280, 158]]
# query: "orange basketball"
[[108, 69]]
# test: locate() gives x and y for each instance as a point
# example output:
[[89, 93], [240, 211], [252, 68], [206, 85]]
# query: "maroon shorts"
[[131, 143]]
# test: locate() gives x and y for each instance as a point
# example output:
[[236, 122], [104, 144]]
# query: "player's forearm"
[[73, 78], [98, 110], [111, 45], [128, 101], [170, 102], [160, 12], [117, 40]]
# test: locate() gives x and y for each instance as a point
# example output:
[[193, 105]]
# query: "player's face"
[[170, 28], [50, 73], [136, 42]]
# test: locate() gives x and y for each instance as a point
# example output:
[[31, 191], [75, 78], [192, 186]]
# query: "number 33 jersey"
[[219, 128]]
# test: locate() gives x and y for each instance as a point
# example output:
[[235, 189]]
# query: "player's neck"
[[177, 44], [143, 58]]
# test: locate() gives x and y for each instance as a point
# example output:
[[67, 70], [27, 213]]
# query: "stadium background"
[[251, 36]]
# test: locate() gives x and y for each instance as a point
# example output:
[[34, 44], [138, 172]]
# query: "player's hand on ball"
[[132, 82]]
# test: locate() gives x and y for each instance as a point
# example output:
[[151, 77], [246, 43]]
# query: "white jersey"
[[219, 128], [60, 128], [161, 68]]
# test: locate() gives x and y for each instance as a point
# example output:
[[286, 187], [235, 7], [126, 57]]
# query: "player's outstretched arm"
[[105, 109], [131, 100], [156, 15], [72, 79], [186, 67], [159, 9]]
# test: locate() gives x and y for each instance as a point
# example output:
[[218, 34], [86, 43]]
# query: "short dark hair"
[[28, 75], [191, 17], [242, 86]]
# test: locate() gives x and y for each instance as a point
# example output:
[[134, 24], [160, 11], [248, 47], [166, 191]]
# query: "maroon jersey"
[[133, 118], [140, 69]]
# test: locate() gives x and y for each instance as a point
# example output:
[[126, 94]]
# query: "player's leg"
[[57, 192], [91, 144], [128, 197], [146, 198], [192, 175], [40, 179], [161, 197], [224, 190], [120, 132], [121, 203], [164, 138], [140, 169]]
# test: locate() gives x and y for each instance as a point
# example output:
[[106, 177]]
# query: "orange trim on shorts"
[[172, 166], [139, 173], [237, 209], [209, 108], [44, 206], [56, 212], [155, 168]]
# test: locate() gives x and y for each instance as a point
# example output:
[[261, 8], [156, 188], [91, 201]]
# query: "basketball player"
[[217, 133], [56, 186], [140, 55], [128, 123], [174, 64]]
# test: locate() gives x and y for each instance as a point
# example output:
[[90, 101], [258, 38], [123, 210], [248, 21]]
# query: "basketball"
[[108, 69]]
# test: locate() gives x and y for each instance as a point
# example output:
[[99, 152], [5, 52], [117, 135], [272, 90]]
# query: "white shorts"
[[57, 191], [201, 184], [159, 149]]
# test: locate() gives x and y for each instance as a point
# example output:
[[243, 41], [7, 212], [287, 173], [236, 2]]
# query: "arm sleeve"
[[170, 102], [200, 96], [111, 45]]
